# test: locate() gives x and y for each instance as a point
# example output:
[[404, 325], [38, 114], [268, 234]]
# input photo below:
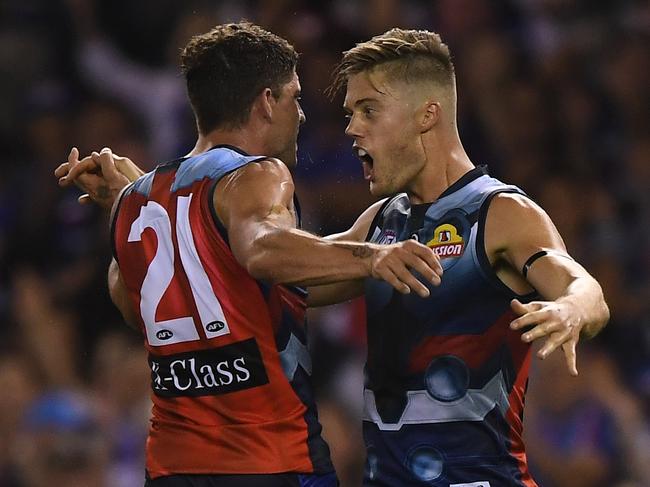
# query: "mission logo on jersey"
[[446, 242]]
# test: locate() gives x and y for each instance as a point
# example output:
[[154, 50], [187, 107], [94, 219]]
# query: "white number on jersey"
[[160, 275]]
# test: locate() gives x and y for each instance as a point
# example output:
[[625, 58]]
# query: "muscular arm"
[[575, 304], [255, 204], [345, 290]]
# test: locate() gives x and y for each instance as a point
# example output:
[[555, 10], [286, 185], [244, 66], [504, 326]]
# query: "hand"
[[395, 263], [101, 175], [557, 320]]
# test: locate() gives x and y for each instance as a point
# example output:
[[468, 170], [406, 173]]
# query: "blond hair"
[[408, 55]]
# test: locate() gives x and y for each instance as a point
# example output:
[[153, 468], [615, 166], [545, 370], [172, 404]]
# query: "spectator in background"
[[588, 431], [582, 45]]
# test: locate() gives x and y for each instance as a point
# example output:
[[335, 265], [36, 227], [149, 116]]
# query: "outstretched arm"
[[574, 304], [255, 204], [343, 291]]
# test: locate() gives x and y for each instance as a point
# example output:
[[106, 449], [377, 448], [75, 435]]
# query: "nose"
[[352, 129]]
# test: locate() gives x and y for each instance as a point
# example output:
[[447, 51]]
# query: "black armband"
[[539, 255]]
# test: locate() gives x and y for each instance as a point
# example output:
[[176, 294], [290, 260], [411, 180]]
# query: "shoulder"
[[515, 219], [264, 175], [266, 166], [505, 205]]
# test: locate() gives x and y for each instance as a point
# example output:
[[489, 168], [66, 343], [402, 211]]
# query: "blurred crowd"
[[553, 97]]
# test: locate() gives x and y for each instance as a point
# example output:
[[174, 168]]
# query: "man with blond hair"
[[446, 373]]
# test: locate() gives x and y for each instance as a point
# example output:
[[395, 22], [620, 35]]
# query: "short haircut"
[[409, 55], [227, 67]]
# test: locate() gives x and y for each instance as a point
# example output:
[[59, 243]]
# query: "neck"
[[446, 162], [243, 138]]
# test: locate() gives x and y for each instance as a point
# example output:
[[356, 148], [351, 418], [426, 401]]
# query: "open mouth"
[[366, 161]]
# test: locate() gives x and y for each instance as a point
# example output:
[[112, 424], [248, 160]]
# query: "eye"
[[368, 112]]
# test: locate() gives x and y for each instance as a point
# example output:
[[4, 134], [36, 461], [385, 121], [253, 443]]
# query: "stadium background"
[[553, 97]]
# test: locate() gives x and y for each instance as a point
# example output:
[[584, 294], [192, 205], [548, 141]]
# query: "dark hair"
[[227, 67], [411, 55]]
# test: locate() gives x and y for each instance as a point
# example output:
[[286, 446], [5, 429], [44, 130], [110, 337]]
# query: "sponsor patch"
[[220, 370], [446, 242]]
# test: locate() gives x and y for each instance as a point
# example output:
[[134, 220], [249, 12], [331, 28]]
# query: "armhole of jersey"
[[296, 204], [215, 218], [484, 261], [113, 220], [379, 216]]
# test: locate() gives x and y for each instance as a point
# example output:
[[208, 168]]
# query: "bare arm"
[[575, 304], [119, 295], [343, 291], [255, 204]]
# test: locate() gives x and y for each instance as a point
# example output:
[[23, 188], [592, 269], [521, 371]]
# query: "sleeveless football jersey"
[[228, 356], [445, 375]]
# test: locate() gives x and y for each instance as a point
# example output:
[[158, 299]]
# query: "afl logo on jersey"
[[164, 334], [215, 326], [387, 237], [446, 242]]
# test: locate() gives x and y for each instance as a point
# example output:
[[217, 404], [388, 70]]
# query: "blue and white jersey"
[[445, 375]]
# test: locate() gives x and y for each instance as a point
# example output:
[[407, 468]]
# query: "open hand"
[[553, 319]]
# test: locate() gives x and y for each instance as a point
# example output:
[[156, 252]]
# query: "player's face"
[[288, 116], [382, 122]]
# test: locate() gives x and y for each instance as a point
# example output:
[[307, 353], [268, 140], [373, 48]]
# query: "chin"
[[377, 190]]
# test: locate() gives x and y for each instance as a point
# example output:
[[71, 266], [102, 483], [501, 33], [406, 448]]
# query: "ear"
[[265, 103], [430, 115]]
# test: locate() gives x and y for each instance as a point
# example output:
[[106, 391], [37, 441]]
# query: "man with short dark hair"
[[447, 372], [201, 245]]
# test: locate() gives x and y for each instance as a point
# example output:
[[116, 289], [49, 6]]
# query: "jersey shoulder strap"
[[398, 203]]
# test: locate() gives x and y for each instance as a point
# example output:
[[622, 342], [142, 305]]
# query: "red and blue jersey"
[[445, 375], [229, 362]]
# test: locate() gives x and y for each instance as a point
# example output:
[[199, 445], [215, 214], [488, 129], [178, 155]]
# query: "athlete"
[[446, 374], [444, 402], [200, 246]]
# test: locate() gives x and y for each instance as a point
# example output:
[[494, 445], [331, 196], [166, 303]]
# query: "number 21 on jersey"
[[160, 274]]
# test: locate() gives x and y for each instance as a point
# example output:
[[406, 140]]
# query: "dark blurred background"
[[553, 97]]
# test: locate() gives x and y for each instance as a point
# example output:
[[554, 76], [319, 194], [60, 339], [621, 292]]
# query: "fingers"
[[427, 263], [553, 342], [568, 345], [518, 308], [62, 170], [410, 258], [529, 314], [61, 173], [569, 349], [84, 199], [394, 281], [105, 160], [405, 276], [541, 330], [127, 167], [521, 309]]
